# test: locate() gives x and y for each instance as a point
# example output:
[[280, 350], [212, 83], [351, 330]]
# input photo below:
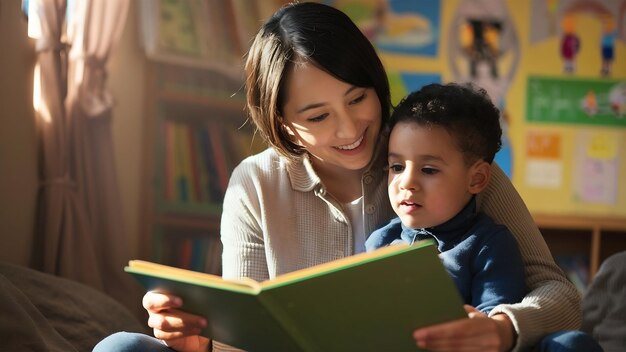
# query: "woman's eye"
[[429, 170], [317, 118], [358, 99]]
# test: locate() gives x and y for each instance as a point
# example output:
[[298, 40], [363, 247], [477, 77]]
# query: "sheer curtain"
[[80, 232]]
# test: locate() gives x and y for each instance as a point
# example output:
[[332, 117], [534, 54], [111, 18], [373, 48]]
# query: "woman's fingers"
[[189, 344], [155, 302], [470, 309], [167, 322], [176, 320]]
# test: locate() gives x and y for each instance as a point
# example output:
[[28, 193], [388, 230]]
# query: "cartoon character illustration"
[[393, 27], [590, 103], [607, 45], [608, 102], [486, 36], [483, 45], [570, 44], [617, 100]]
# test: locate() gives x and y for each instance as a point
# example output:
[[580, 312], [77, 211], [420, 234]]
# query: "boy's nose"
[[408, 180]]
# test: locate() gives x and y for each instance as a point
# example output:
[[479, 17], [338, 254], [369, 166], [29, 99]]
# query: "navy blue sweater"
[[481, 256]]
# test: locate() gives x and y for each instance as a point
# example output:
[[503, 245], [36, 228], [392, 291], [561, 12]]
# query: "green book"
[[367, 302]]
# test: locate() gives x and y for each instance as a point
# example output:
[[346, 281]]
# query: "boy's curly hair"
[[464, 110]]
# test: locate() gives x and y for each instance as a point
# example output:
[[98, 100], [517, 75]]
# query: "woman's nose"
[[346, 125]]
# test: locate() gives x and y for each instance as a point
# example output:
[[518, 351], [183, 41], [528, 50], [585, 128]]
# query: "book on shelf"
[[200, 167], [198, 250], [169, 161], [201, 34], [210, 166], [193, 170], [576, 268], [196, 192], [177, 28], [219, 153], [213, 256], [185, 247], [245, 142], [366, 302]]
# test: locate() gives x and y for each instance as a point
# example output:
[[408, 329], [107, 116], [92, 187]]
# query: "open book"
[[367, 302]]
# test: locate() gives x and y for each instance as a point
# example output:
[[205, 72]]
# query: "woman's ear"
[[480, 174], [283, 124], [290, 132]]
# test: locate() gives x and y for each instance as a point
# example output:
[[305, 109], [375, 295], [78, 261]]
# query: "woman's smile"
[[353, 145]]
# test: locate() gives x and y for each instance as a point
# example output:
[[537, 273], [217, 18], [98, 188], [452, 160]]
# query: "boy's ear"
[[480, 174]]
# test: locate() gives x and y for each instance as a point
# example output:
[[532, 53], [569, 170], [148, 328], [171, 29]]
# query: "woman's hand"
[[179, 330], [477, 333]]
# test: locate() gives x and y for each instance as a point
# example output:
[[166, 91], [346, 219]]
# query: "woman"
[[318, 93]]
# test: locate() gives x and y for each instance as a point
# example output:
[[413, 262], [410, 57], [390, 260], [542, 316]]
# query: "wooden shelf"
[[195, 130], [200, 223], [225, 103], [579, 222], [594, 238]]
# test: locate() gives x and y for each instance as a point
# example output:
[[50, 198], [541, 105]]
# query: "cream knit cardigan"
[[277, 217]]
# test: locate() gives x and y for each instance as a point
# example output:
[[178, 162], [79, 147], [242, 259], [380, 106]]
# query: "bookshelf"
[[195, 134], [579, 244], [195, 129]]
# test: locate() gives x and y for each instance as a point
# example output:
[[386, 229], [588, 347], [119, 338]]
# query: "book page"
[[159, 270], [338, 264]]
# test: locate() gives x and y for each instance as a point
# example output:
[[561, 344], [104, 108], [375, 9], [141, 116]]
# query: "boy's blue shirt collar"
[[446, 233]]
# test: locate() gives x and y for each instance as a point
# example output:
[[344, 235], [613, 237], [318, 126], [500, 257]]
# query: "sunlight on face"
[[336, 122], [428, 179]]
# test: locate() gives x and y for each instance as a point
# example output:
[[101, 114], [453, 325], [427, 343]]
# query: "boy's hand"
[[476, 333]]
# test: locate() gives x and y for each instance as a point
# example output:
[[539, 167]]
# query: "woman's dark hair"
[[306, 32], [464, 110]]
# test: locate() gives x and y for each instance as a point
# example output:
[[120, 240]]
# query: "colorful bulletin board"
[[555, 68]]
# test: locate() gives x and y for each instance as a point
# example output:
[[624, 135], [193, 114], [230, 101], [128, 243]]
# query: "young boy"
[[442, 140]]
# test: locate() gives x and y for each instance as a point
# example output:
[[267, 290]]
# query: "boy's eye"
[[318, 118], [358, 99], [396, 168], [429, 170]]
